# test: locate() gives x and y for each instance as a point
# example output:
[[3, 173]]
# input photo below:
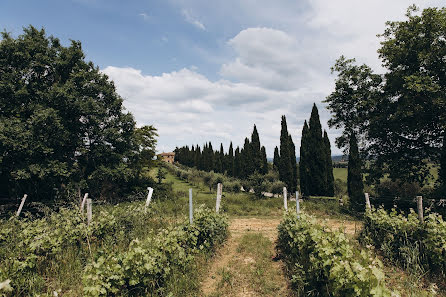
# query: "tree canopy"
[[398, 116], [62, 124]]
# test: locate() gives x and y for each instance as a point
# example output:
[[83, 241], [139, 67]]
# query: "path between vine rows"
[[231, 271]]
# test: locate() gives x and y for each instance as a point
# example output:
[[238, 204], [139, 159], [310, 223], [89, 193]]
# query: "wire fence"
[[437, 205]]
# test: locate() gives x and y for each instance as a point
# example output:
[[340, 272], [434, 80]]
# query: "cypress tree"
[[276, 159], [316, 156], [246, 160], [292, 148], [230, 161], [256, 154], [264, 161], [211, 157], [355, 186], [303, 163], [330, 178], [285, 166], [237, 163]]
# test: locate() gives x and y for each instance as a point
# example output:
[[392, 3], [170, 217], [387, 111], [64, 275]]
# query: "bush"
[[147, 265], [395, 234], [326, 263], [277, 187], [234, 187]]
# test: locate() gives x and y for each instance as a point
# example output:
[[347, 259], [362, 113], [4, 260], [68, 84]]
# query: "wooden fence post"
[[83, 202], [21, 205], [219, 194], [367, 201], [149, 198], [420, 208], [190, 207], [89, 211], [297, 204], [285, 203]]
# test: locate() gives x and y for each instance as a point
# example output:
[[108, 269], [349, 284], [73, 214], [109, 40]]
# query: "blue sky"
[[208, 70]]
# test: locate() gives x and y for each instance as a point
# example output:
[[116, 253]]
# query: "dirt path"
[[244, 266]]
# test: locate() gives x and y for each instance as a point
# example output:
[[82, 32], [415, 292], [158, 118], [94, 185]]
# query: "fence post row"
[[297, 204], [83, 202], [21, 205], [149, 198], [89, 211], [367, 201], [219, 194], [285, 204], [420, 208], [190, 207]]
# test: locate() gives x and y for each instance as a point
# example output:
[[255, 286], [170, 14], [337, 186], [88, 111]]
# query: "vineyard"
[[129, 251]]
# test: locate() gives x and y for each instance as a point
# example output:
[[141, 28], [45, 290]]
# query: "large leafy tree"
[[399, 117], [62, 123]]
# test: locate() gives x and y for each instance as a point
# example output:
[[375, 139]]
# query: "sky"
[[201, 70]]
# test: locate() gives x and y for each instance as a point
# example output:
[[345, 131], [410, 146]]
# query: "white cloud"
[[144, 15], [189, 108], [282, 52], [190, 19]]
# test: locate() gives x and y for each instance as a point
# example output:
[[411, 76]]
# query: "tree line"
[[63, 127], [315, 167], [241, 163]]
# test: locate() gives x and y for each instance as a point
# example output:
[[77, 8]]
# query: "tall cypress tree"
[[264, 168], [316, 156], [292, 149], [230, 161], [304, 170], [285, 165], [276, 159], [237, 163], [256, 154], [329, 191], [246, 157], [355, 186]]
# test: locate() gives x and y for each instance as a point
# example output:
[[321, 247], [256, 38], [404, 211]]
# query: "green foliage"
[[149, 263], [161, 174], [355, 186], [316, 168], [329, 183], [323, 263], [287, 166], [398, 116], [276, 158], [396, 234], [62, 124]]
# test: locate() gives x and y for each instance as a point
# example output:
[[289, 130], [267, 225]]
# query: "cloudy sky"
[[201, 70]]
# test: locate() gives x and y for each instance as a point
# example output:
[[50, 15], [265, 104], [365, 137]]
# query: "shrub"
[[326, 263], [395, 233], [148, 264]]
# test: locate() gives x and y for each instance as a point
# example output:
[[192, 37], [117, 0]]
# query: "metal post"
[[420, 208], [219, 194], [285, 204], [367, 201], [190, 207], [149, 198], [89, 211], [297, 205], [83, 202], [21, 205]]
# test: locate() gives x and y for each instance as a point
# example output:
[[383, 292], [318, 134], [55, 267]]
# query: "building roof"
[[167, 154]]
